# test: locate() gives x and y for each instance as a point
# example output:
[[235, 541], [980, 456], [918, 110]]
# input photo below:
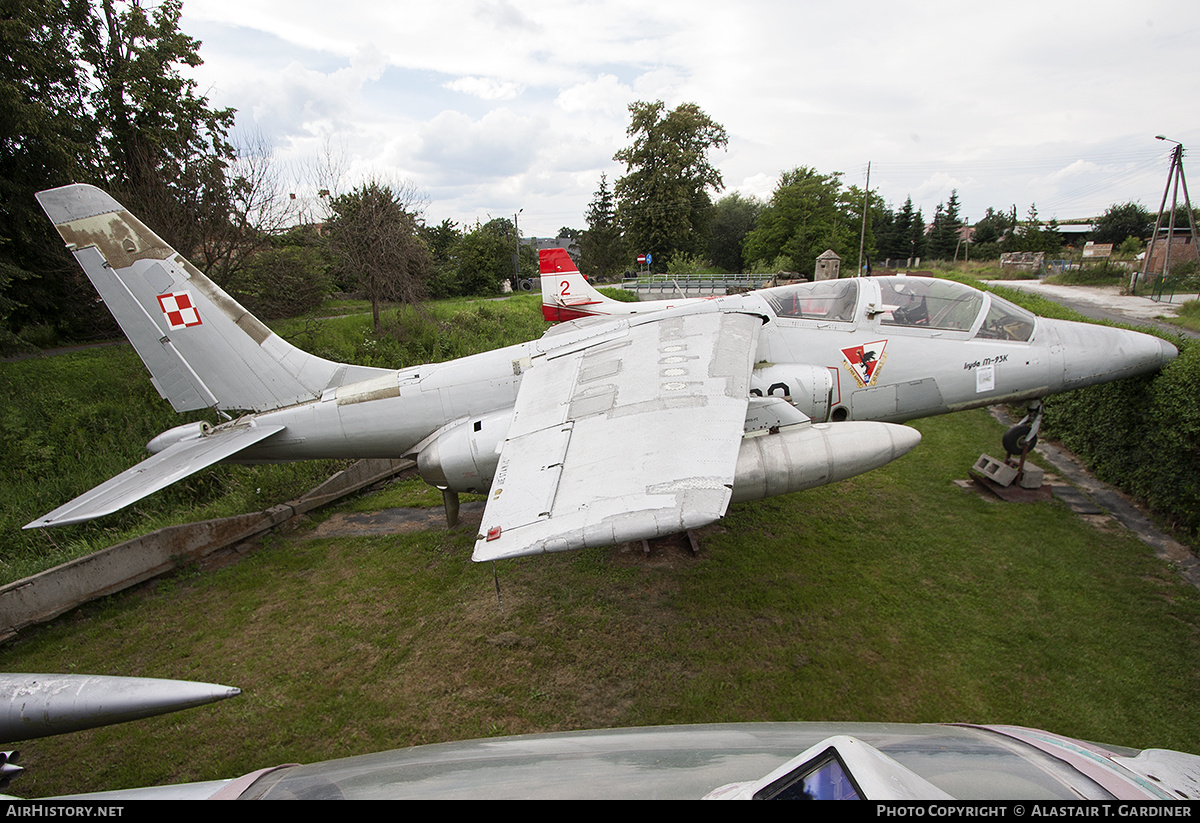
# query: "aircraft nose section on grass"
[[1083, 354]]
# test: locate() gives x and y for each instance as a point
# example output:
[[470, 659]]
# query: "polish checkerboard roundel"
[[178, 309]]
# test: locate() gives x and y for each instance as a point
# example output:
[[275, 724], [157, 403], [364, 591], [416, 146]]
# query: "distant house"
[[539, 243], [1182, 248]]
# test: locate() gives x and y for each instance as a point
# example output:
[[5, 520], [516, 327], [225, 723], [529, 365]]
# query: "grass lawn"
[[895, 596], [1188, 316]]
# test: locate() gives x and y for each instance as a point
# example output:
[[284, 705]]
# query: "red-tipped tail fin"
[[553, 261], [566, 294]]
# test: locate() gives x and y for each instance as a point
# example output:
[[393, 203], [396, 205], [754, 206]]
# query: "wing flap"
[[635, 436], [173, 463]]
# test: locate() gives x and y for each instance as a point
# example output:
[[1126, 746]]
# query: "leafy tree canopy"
[[484, 258], [900, 235], [733, 219], [165, 150], [809, 212], [603, 252], [92, 92], [664, 204], [946, 232], [373, 237], [1121, 221]]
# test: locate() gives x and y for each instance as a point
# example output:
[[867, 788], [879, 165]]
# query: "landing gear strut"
[[1011, 479], [1022, 437], [450, 499]]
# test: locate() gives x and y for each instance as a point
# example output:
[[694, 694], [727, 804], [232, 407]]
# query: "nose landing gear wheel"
[[1017, 439]]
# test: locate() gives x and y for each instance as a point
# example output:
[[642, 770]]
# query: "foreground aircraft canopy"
[[734, 761], [893, 348], [604, 431]]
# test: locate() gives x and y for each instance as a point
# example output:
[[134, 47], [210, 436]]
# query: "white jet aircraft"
[[599, 432], [946, 346]]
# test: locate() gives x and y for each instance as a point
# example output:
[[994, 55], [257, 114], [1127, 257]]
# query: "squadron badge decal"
[[865, 361]]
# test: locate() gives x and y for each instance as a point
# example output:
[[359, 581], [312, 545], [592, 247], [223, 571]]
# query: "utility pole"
[[517, 254], [862, 236], [1175, 178]]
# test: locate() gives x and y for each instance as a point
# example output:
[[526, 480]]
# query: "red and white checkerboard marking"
[[178, 308]]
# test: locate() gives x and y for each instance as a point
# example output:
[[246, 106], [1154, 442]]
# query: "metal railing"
[[684, 285]]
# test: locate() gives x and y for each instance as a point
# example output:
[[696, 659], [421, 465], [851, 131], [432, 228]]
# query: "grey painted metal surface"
[[41, 705]]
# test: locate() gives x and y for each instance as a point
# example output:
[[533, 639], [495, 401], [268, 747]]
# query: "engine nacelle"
[[464, 458], [808, 388], [188, 431]]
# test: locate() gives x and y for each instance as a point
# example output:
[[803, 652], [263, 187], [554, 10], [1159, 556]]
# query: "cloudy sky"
[[494, 106]]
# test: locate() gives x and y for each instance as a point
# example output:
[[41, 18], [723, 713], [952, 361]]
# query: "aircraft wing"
[[175, 462], [627, 435]]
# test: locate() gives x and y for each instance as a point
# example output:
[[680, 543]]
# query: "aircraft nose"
[[1097, 354], [1167, 352]]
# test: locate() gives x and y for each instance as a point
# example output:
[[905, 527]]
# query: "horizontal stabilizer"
[[40, 705], [169, 465]]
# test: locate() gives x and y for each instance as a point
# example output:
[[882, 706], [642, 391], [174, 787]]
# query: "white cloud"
[[454, 148], [537, 91], [486, 88], [606, 94]]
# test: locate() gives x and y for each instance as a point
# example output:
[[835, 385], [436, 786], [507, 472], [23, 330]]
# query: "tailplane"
[[202, 348]]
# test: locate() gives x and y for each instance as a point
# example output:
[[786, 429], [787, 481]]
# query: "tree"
[[663, 200], [92, 91], [946, 232], [602, 250], [484, 257], [733, 219], [809, 212], [900, 235], [988, 234], [373, 237], [1126, 220], [441, 241], [1030, 236], [165, 151], [47, 139]]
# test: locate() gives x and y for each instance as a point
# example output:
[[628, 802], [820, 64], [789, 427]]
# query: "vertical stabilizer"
[[201, 347], [566, 294]]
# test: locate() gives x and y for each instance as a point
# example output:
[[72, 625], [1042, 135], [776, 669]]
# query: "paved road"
[[1107, 303]]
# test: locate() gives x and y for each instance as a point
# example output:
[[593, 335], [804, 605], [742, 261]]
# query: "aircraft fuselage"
[[887, 349]]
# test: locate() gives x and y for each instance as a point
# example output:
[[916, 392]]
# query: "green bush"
[[1101, 274], [620, 295], [1141, 434], [283, 282]]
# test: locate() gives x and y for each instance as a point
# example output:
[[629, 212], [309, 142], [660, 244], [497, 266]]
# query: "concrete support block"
[[995, 470]]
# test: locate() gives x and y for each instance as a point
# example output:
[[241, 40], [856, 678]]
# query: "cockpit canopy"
[[829, 300], [906, 302]]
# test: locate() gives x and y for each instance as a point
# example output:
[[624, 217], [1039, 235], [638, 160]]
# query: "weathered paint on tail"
[[202, 348]]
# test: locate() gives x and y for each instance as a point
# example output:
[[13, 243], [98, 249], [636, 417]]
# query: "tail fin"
[[566, 294], [201, 347]]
